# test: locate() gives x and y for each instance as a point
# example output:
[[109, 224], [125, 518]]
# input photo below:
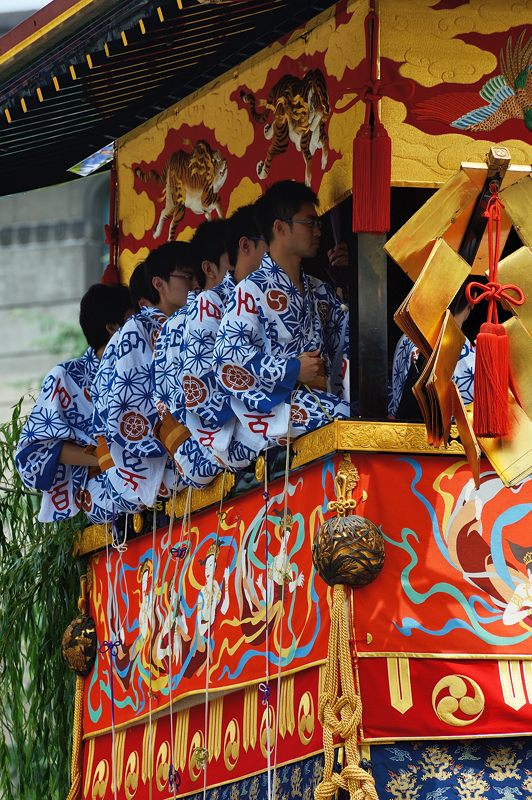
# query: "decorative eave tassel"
[[372, 150], [490, 410]]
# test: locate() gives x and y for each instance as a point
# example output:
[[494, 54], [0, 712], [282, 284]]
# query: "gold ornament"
[[79, 639], [348, 549], [79, 645]]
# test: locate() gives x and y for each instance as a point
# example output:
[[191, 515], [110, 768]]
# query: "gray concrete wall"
[[51, 249]]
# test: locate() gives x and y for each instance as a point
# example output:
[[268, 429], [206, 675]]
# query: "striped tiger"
[[190, 180], [300, 109]]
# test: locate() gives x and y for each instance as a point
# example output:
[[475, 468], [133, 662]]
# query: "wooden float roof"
[[78, 74]]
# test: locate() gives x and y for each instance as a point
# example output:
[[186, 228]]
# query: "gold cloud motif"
[[128, 262], [137, 212], [246, 192], [186, 234], [423, 40], [338, 56], [419, 159]]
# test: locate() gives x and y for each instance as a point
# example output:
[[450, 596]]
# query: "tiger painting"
[[190, 180], [300, 111]]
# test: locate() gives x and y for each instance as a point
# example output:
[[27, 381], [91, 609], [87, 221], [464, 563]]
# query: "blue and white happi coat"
[[127, 412], [100, 387], [167, 358], [267, 324], [208, 412], [194, 463], [406, 353], [62, 413]]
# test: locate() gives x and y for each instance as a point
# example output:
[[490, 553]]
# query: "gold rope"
[[77, 735], [341, 713]]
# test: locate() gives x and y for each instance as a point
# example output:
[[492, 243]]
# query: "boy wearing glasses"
[[281, 329], [139, 467]]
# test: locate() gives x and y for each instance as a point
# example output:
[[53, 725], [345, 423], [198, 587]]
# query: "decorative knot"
[[493, 291], [110, 647], [494, 204], [371, 91], [201, 754], [352, 778], [174, 778], [179, 551], [265, 691], [329, 716], [266, 496]]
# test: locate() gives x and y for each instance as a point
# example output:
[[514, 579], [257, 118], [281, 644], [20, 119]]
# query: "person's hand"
[[311, 368], [338, 256]]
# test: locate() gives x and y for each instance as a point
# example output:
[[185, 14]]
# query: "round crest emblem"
[[194, 390], [277, 300], [83, 499], [134, 426], [298, 415], [237, 378]]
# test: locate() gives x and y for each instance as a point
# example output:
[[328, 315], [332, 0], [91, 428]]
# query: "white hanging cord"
[[111, 645], [265, 688], [285, 523], [202, 754], [152, 623], [179, 553]]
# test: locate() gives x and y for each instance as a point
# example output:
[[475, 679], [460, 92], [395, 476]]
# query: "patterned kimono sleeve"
[[58, 416], [163, 367], [131, 410], [201, 392], [334, 318], [100, 388], [402, 360], [464, 372], [244, 361]]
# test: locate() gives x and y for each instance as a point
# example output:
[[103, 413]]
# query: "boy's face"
[[179, 284], [303, 231]]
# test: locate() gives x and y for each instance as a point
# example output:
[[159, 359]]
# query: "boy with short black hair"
[[139, 469], [51, 454], [273, 354]]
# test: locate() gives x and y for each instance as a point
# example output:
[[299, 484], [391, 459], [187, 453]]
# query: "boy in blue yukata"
[[54, 453], [281, 330], [139, 467], [194, 460], [209, 415]]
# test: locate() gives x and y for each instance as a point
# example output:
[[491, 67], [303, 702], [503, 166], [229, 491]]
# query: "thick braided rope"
[[341, 714], [75, 768]]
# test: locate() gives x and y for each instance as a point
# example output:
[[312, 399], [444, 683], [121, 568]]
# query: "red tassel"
[[381, 177], [362, 180], [111, 276], [490, 414]]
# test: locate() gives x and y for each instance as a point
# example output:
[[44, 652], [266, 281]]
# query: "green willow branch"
[[39, 583], [17, 489]]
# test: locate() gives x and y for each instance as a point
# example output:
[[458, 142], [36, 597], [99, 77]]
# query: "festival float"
[[258, 637]]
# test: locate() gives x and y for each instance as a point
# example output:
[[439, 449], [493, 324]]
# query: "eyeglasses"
[[310, 222], [186, 276], [257, 239]]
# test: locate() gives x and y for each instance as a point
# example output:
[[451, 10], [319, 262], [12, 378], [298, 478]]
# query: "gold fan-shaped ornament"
[[439, 247]]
